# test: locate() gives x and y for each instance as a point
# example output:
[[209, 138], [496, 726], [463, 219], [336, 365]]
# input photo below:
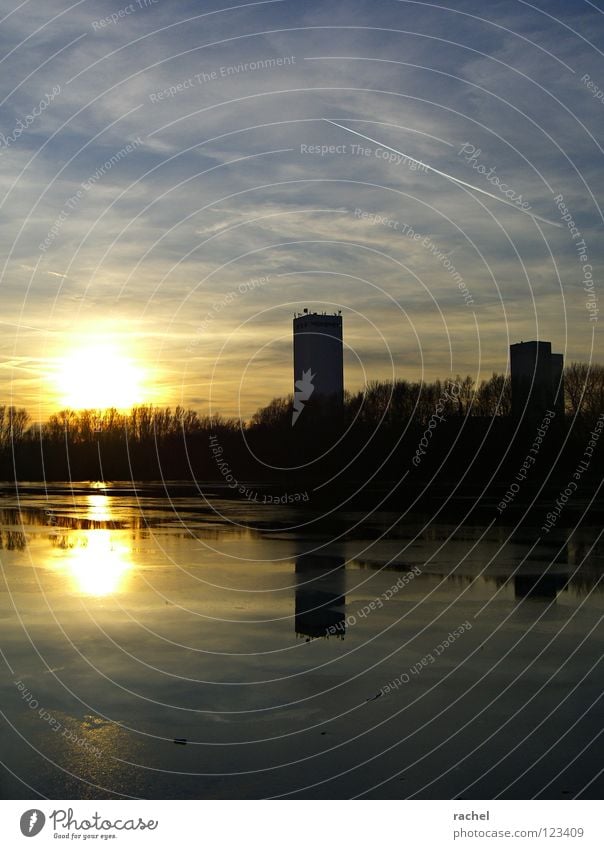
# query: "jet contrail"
[[442, 174]]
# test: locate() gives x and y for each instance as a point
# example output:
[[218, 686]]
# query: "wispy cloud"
[[238, 175]]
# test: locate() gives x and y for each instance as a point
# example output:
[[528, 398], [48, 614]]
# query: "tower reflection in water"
[[544, 586], [320, 596]]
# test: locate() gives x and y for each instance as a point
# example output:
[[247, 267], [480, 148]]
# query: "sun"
[[97, 377]]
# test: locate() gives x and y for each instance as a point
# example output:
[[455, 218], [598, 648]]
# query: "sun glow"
[[99, 564], [97, 377]]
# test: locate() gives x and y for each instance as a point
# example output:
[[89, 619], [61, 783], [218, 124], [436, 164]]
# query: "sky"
[[175, 186]]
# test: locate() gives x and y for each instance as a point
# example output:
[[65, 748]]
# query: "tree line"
[[151, 442], [390, 404]]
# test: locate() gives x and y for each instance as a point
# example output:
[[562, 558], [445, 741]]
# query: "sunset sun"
[[99, 376]]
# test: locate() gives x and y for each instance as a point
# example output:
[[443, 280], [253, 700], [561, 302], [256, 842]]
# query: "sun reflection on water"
[[99, 508], [99, 563], [90, 548]]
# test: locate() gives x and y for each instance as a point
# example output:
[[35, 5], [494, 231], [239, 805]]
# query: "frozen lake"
[[291, 657]]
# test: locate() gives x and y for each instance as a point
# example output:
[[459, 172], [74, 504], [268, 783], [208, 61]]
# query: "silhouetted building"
[[318, 360], [320, 596], [537, 380]]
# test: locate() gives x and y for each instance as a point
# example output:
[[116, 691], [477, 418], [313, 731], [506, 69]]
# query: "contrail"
[[442, 174]]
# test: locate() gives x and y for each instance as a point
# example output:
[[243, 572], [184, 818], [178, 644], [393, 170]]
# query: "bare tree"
[[584, 391]]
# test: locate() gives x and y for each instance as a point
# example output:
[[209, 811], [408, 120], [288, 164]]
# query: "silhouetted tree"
[[584, 391], [494, 396]]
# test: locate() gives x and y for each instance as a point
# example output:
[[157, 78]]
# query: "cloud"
[[222, 188]]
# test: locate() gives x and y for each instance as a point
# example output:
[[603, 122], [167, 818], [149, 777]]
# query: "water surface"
[[269, 639]]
